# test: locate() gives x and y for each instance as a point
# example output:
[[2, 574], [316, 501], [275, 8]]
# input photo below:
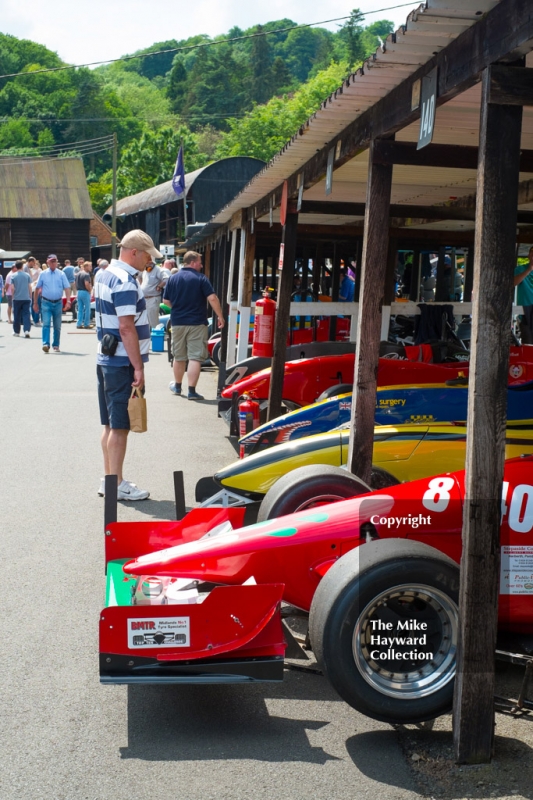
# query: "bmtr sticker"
[[159, 632]]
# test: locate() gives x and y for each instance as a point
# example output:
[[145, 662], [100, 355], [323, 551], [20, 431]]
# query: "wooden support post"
[[496, 205], [246, 293], [440, 286], [389, 296], [414, 286], [207, 261], [317, 266], [231, 320], [179, 494], [223, 265], [358, 257], [110, 500], [335, 284], [290, 231], [374, 265], [469, 274]]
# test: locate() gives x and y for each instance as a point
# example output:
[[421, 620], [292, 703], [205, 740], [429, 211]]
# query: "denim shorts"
[[114, 390]]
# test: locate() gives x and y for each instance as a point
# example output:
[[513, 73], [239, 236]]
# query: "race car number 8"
[[437, 495]]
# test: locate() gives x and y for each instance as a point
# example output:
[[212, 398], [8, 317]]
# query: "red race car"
[[200, 601], [309, 378]]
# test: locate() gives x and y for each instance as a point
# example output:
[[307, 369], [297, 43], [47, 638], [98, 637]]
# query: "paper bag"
[[137, 412]]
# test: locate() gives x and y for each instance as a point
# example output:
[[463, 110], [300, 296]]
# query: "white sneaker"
[[16, 334], [101, 490], [26, 335], [129, 491]]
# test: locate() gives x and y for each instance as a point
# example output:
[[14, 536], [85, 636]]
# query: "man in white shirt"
[[153, 282]]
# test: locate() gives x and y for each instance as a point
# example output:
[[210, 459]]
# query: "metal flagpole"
[[184, 197]]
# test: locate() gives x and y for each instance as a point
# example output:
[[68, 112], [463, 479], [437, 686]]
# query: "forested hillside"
[[244, 93]]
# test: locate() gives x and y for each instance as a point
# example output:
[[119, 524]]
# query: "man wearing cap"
[[50, 286], [121, 313]]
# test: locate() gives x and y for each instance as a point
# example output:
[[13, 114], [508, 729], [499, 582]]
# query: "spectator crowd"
[[123, 301]]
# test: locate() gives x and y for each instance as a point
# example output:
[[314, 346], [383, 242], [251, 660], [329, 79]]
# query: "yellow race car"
[[401, 453]]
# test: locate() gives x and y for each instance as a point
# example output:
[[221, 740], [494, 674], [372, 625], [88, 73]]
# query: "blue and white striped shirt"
[[117, 294]]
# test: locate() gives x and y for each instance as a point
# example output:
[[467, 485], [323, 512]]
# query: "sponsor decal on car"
[[158, 632], [516, 571]]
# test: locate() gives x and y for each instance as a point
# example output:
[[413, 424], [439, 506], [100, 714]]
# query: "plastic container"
[[158, 340]]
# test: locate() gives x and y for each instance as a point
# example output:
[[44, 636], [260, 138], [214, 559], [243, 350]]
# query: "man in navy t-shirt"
[[186, 293]]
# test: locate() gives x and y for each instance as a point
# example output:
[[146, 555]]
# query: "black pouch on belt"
[[109, 344]]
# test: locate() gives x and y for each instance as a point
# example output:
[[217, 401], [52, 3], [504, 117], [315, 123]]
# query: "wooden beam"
[[249, 258], [503, 33], [511, 86], [333, 208], [238, 220], [439, 155], [414, 214], [351, 233], [434, 155], [374, 265], [275, 394], [497, 190]]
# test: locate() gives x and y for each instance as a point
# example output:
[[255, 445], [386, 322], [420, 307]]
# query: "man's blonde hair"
[[191, 256]]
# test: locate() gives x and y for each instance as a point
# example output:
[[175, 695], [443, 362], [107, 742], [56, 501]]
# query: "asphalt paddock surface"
[[64, 735]]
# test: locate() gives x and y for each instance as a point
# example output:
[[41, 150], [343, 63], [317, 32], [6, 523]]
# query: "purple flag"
[[178, 179]]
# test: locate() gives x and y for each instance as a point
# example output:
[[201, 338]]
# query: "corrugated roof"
[[428, 29], [157, 196], [35, 188]]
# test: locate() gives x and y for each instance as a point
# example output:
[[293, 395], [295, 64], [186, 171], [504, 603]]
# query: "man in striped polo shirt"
[[121, 314]]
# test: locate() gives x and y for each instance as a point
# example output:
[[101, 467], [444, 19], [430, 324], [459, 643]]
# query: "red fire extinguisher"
[[248, 417], [265, 316]]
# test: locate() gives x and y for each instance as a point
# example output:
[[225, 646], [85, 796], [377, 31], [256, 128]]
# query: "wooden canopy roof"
[[436, 185]]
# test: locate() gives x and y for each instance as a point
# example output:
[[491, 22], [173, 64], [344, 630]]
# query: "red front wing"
[[287, 557]]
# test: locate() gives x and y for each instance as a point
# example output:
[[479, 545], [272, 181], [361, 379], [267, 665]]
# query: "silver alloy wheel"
[[420, 676]]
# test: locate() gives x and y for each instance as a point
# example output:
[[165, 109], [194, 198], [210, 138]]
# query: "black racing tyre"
[[309, 486], [215, 355], [381, 479], [333, 391], [391, 588]]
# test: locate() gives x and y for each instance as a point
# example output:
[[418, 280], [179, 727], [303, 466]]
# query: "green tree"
[[260, 68], [263, 131], [177, 85], [373, 33], [15, 133], [150, 160], [153, 66], [300, 50], [281, 79], [45, 138], [143, 99], [101, 192], [217, 88], [351, 39]]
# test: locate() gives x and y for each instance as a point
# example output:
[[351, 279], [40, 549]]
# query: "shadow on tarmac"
[[68, 353], [156, 509], [197, 723], [362, 749]]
